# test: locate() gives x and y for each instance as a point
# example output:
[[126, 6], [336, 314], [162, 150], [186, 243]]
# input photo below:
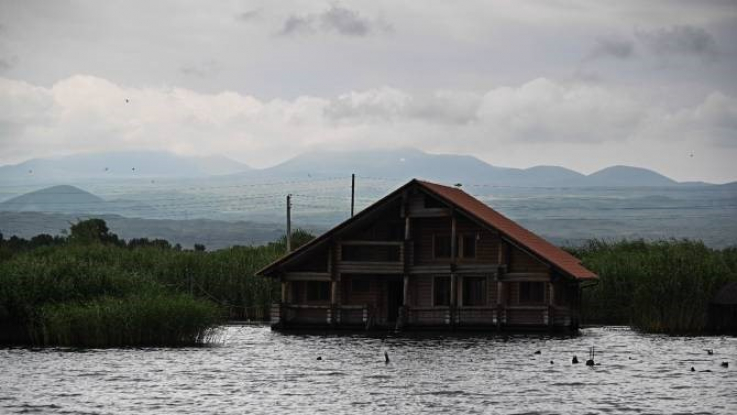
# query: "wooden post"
[[405, 291], [289, 223], [551, 305], [500, 312], [453, 295], [335, 316], [453, 238], [453, 279], [283, 292]]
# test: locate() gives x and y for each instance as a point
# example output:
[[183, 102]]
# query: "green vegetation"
[[92, 289], [662, 286]]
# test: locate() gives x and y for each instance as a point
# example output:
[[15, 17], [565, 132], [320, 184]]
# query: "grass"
[[661, 286], [94, 290], [136, 320]]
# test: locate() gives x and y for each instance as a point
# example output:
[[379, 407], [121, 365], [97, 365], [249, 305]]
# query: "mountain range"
[[396, 164], [116, 165]]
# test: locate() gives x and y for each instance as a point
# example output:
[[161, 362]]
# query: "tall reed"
[[660, 286]]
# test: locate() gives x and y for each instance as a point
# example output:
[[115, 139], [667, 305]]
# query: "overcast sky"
[[580, 84]]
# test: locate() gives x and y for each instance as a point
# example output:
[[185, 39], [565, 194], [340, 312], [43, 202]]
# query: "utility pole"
[[353, 192], [289, 223]]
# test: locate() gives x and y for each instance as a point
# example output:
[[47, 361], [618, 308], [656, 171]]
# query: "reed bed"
[[94, 290], [660, 286], [137, 320]]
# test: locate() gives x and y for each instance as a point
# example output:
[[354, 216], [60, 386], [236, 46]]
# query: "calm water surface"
[[256, 371]]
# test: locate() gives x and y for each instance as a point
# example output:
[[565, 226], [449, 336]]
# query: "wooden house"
[[428, 256]]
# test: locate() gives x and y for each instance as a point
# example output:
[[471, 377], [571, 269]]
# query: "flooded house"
[[428, 256]]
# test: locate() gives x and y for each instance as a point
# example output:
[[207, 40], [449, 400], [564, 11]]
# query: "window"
[[474, 291], [441, 291], [441, 246], [468, 246], [531, 292], [465, 247], [432, 203], [360, 285], [318, 291]]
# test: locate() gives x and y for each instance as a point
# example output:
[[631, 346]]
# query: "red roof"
[[537, 245], [476, 209]]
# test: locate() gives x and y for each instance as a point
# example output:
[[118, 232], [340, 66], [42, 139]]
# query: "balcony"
[[371, 257]]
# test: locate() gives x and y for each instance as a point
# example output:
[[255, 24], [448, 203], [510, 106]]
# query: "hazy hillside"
[[71, 199], [404, 164], [56, 199], [628, 176], [213, 234], [117, 165]]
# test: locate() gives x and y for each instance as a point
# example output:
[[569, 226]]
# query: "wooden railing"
[[366, 316], [301, 314]]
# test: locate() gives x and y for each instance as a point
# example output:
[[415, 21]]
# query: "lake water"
[[256, 371]]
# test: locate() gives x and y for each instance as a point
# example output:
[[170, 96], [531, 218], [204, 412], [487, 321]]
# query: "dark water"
[[256, 371]]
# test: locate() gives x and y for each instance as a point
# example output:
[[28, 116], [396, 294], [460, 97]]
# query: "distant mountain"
[[395, 164], [54, 199], [130, 164], [628, 176], [403, 164], [71, 199]]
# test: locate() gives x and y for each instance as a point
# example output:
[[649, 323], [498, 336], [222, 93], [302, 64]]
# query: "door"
[[394, 300]]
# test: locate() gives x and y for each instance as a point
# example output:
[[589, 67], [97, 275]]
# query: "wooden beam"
[[372, 243], [307, 276], [526, 276], [429, 213]]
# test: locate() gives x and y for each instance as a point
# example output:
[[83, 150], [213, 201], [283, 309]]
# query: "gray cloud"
[[613, 47], [345, 21], [294, 25], [680, 40], [249, 15], [8, 62], [390, 105], [336, 19], [201, 70]]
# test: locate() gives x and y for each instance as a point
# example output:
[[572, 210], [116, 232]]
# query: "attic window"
[[431, 203]]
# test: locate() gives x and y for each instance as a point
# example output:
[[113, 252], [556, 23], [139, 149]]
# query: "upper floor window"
[[468, 246], [465, 246], [441, 246]]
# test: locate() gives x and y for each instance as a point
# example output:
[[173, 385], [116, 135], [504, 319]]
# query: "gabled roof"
[[472, 207]]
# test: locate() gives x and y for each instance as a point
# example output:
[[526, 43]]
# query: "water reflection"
[[254, 370]]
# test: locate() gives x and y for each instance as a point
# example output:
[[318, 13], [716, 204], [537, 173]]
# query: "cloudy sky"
[[580, 84]]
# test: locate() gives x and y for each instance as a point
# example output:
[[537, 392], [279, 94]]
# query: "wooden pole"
[[289, 223], [353, 193]]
